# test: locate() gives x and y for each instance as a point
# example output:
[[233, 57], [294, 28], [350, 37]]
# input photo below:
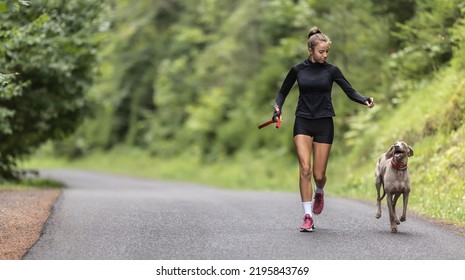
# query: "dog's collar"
[[398, 166]]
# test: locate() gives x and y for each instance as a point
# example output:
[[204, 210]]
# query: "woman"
[[313, 127]]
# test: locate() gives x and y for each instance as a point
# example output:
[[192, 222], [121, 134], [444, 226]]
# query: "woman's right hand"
[[276, 114]]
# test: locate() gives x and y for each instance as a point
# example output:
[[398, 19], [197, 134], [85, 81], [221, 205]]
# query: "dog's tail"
[[384, 193]]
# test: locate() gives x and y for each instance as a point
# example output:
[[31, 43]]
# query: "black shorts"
[[322, 130]]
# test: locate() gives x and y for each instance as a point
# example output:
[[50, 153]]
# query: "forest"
[[187, 82]]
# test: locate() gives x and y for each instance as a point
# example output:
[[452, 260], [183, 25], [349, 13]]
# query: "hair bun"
[[314, 30]]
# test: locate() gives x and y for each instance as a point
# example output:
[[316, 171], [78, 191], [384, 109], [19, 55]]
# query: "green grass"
[[32, 183]]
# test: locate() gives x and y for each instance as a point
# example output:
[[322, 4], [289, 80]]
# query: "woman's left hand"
[[370, 103]]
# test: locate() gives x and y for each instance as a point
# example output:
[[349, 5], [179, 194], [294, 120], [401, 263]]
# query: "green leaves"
[[426, 38], [5, 79], [12, 5], [53, 48]]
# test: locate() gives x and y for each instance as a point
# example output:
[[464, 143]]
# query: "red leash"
[[278, 124]]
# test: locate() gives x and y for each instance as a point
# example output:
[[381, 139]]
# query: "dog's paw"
[[394, 230], [378, 215], [397, 221], [403, 219]]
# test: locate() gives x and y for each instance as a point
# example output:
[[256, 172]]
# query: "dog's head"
[[400, 151]]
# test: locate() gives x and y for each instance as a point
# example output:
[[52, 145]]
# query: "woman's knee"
[[305, 171], [320, 178]]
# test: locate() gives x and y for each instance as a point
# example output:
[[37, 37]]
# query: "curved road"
[[101, 216]]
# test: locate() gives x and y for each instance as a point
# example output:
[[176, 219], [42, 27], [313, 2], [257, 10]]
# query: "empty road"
[[111, 217]]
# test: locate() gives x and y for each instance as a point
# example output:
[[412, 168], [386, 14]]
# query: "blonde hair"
[[315, 36]]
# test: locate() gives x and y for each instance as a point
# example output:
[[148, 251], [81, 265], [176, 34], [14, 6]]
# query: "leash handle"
[[265, 124], [278, 124]]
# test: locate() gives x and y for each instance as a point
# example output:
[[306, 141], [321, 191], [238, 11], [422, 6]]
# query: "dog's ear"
[[410, 153], [390, 152]]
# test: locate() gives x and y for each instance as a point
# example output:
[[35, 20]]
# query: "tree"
[[52, 47]]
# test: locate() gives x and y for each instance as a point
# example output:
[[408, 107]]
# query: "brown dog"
[[392, 172]]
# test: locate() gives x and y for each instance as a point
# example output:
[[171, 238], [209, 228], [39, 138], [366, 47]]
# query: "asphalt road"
[[101, 216]]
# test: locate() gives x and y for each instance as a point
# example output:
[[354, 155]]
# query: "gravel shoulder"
[[23, 214]]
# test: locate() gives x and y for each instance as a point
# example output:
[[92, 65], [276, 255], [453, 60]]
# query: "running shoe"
[[318, 203], [308, 223]]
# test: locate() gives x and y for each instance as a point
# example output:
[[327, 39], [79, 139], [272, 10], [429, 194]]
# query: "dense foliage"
[[47, 57], [197, 77]]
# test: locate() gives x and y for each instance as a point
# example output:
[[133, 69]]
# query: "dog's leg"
[[394, 203], [378, 198], [391, 214], [404, 210]]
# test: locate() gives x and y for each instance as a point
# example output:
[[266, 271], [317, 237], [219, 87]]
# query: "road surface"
[[111, 217]]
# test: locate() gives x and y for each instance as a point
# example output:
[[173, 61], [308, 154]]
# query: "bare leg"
[[303, 144], [320, 162]]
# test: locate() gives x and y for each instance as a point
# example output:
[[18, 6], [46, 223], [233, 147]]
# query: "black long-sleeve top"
[[315, 82]]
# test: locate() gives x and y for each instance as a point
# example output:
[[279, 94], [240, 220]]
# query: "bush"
[[52, 46]]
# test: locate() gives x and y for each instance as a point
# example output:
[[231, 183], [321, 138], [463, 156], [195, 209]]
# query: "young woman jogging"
[[313, 127]]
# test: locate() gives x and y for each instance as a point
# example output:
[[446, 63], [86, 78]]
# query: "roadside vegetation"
[[31, 183]]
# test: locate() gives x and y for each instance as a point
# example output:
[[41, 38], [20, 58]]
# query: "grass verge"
[[31, 183]]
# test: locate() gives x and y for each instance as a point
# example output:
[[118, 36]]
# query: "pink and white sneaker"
[[308, 225]]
